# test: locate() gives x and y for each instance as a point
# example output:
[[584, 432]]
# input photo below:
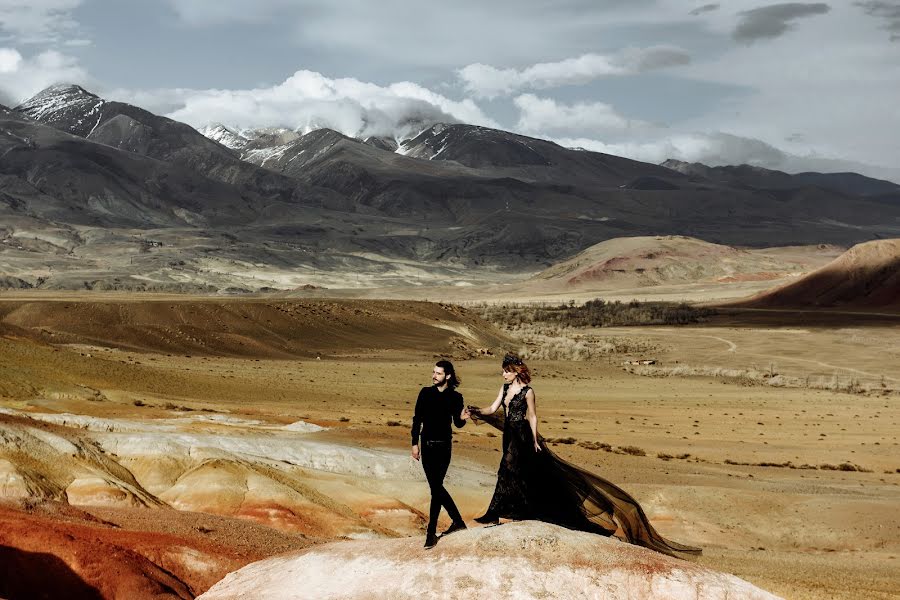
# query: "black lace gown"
[[543, 486]]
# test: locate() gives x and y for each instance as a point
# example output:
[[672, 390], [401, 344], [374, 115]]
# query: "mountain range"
[[97, 192]]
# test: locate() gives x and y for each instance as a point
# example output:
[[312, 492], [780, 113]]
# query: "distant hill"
[[866, 276], [769, 179], [668, 260]]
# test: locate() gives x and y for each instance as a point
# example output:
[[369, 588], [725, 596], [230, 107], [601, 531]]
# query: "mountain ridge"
[[453, 196]]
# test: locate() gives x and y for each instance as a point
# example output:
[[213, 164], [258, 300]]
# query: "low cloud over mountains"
[[85, 177]]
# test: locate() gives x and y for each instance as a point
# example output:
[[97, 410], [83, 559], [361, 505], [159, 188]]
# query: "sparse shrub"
[[632, 450], [595, 446], [843, 467], [754, 377], [664, 456], [394, 423], [344, 419], [567, 440], [139, 403]]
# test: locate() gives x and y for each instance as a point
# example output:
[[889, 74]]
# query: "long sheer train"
[[543, 486]]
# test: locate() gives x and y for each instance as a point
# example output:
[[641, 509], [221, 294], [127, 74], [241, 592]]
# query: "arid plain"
[[187, 437]]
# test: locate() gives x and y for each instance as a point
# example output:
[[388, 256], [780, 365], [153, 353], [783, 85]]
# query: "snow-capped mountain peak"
[[225, 136], [68, 104], [55, 98]]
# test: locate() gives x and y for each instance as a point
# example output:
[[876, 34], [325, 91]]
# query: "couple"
[[532, 482]]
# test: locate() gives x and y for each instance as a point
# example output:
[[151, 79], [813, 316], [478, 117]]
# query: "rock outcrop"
[[526, 559]]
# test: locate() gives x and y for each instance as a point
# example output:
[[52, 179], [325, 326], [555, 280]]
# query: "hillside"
[[652, 261], [867, 276]]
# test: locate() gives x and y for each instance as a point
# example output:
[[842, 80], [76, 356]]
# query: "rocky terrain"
[[55, 550], [527, 559], [187, 438]]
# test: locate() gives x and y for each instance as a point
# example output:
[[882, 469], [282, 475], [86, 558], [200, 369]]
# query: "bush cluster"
[[596, 313]]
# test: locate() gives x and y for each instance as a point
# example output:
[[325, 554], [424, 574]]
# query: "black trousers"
[[435, 461]]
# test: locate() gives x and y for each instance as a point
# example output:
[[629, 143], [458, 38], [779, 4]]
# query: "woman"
[[534, 483]]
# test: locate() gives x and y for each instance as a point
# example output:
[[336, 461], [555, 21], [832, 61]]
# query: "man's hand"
[[415, 451]]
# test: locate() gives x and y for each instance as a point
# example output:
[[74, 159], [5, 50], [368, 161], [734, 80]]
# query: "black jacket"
[[435, 410]]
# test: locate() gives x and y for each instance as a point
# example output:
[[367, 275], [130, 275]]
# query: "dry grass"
[[557, 332], [834, 382], [555, 342]]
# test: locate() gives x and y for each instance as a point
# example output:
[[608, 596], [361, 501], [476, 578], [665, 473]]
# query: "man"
[[436, 407]]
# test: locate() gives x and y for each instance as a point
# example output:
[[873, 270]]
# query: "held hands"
[[466, 414], [471, 412], [415, 452]]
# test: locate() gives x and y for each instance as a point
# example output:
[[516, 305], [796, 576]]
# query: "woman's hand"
[[466, 413], [537, 446]]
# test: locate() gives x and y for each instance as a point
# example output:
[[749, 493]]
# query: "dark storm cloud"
[[774, 20], [889, 11], [704, 9]]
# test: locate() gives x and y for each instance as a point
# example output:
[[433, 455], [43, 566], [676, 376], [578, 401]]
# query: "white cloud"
[[718, 149], [487, 81], [22, 77], [10, 59], [548, 117], [713, 149], [309, 99], [37, 21]]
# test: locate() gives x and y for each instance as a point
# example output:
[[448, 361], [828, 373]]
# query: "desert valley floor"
[[188, 437]]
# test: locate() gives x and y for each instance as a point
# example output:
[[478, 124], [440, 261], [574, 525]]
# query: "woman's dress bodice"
[[518, 405]]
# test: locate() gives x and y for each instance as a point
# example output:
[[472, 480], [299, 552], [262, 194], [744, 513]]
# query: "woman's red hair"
[[514, 364]]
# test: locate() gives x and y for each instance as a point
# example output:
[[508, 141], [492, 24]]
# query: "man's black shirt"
[[434, 412]]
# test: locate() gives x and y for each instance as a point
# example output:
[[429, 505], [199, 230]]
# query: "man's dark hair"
[[453, 379]]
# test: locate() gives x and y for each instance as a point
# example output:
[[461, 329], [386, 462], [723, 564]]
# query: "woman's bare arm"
[[488, 410], [531, 415]]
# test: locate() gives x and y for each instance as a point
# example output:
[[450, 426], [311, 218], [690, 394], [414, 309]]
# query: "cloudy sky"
[[795, 85]]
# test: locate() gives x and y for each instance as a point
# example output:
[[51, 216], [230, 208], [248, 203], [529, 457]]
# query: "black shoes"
[[431, 539], [454, 527], [488, 519]]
